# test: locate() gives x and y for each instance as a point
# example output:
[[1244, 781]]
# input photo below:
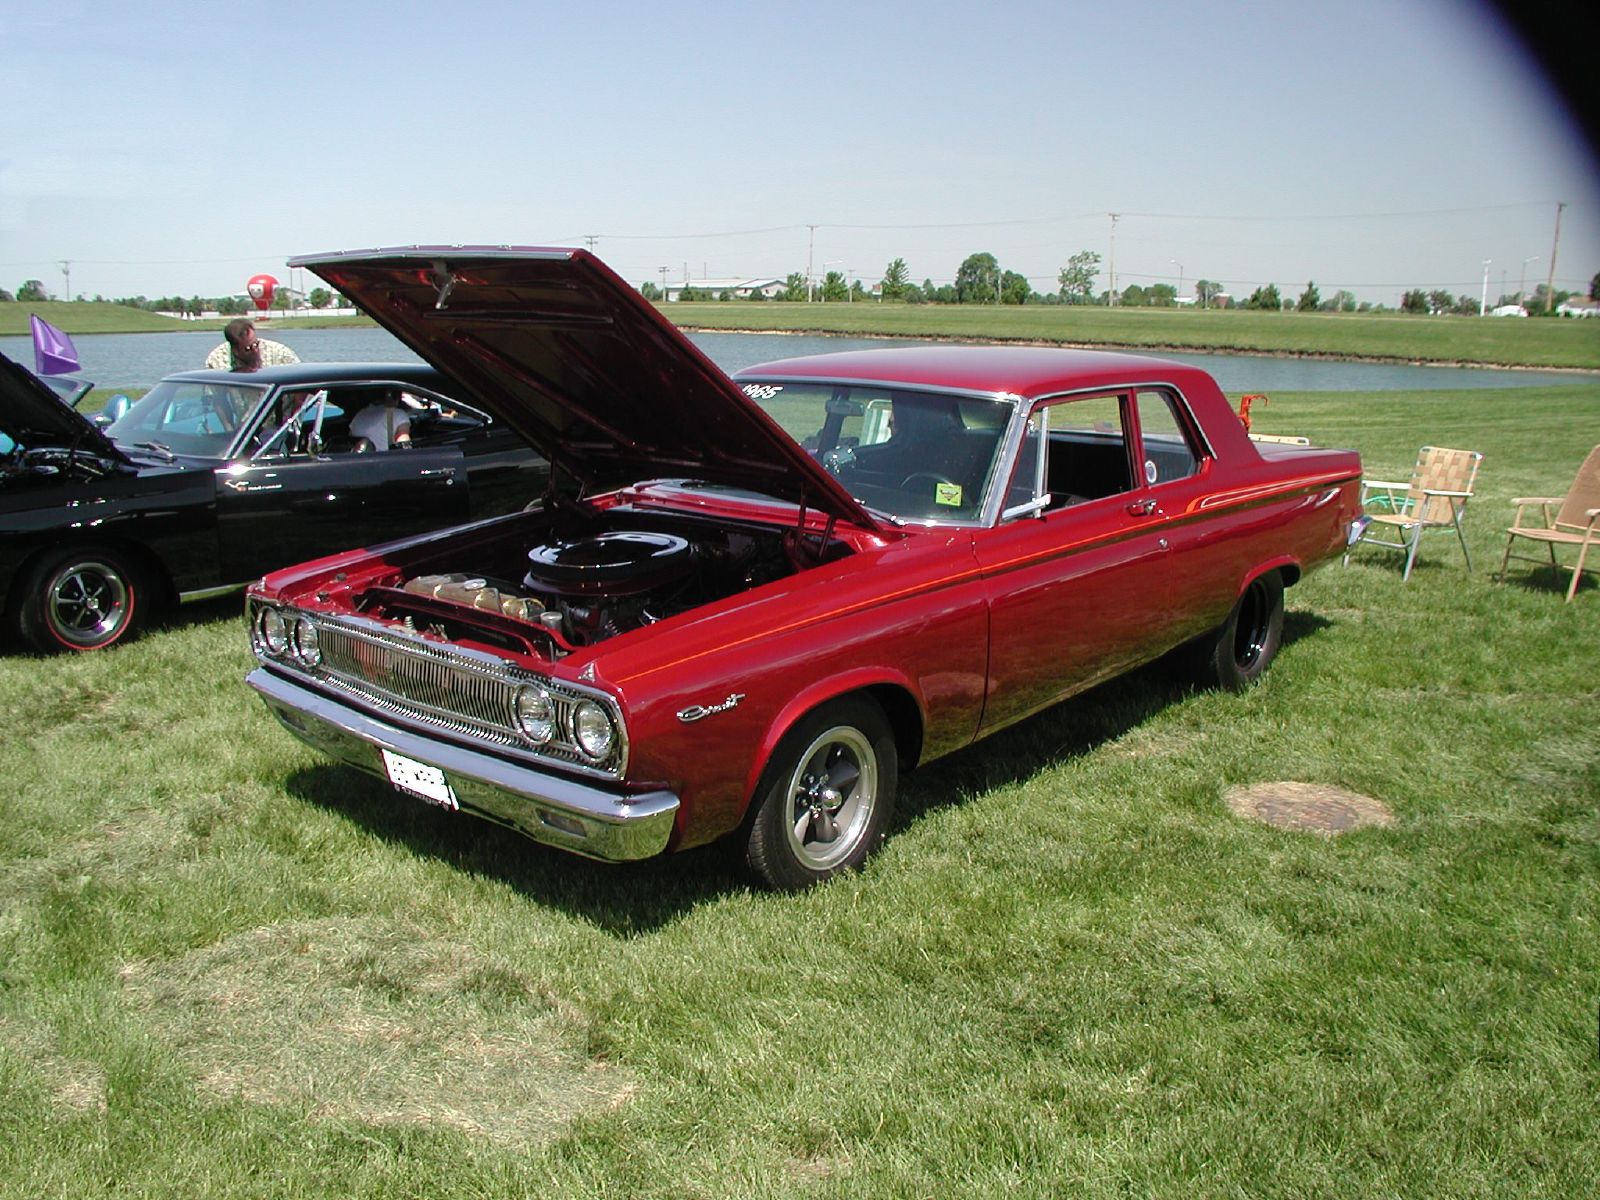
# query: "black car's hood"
[[581, 365], [32, 415]]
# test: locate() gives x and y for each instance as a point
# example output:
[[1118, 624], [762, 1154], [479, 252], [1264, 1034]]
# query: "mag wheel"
[[826, 797], [1248, 640], [83, 599]]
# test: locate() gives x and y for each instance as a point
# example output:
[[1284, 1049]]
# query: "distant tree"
[[757, 294], [231, 306], [1206, 291], [320, 297], [914, 295], [1310, 299], [1594, 287], [1342, 301], [1133, 296], [32, 290], [646, 289], [1415, 301], [896, 279], [978, 280], [1014, 288], [858, 290], [1162, 295], [833, 287], [725, 295], [1440, 301], [1465, 306], [944, 294], [1076, 280], [1266, 299], [6, 297]]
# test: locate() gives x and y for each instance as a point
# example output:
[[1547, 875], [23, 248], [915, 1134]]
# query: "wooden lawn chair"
[[1575, 523], [1434, 498]]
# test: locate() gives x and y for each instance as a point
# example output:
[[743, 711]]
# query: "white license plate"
[[419, 779]]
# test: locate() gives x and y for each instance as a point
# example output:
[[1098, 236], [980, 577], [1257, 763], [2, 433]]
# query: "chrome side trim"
[[593, 821]]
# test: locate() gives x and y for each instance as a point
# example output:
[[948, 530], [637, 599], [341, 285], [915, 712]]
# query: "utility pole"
[[590, 239], [66, 274], [1111, 271], [811, 252], [1550, 280], [1483, 300], [663, 283]]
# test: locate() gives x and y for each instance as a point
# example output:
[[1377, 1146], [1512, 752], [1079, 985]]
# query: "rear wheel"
[[1239, 651], [81, 599], [826, 798]]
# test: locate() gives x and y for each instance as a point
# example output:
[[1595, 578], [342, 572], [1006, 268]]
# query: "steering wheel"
[[910, 482]]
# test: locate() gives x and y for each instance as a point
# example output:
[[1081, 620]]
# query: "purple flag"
[[53, 351]]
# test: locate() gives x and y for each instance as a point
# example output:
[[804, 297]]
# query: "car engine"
[[581, 586]]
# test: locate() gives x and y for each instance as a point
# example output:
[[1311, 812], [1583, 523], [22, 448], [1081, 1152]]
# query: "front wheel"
[[82, 599], [1239, 652], [825, 800]]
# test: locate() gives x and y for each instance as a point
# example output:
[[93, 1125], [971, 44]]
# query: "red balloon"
[[260, 288]]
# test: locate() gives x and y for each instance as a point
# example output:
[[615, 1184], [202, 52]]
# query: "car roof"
[[1010, 370], [321, 372]]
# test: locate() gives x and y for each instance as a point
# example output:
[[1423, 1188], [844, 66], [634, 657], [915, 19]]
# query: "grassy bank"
[[229, 969], [1485, 341], [84, 318]]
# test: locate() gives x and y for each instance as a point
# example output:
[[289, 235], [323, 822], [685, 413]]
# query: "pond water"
[[139, 360]]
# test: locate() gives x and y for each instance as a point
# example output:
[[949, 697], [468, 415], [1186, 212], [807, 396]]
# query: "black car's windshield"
[[917, 456], [188, 417]]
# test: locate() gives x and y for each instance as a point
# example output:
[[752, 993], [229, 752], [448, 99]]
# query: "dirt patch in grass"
[[1315, 807], [368, 1020]]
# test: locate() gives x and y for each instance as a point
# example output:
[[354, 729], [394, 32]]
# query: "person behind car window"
[[383, 424], [242, 350]]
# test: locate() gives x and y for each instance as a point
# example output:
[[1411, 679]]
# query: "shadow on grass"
[[629, 899]]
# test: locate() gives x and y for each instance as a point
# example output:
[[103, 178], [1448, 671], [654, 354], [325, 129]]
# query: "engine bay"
[[577, 581]]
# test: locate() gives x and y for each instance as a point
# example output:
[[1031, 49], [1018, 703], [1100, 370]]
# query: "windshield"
[[918, 456], [199, 419]]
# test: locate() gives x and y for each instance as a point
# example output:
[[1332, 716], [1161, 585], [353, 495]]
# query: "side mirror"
[[116, 408]]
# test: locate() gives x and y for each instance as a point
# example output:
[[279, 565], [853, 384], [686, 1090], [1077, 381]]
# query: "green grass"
[[1570, 344], [86, 317], [230, 969], [1493, 341]]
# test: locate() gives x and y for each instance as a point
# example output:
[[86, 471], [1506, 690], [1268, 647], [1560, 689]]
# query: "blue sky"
[[1372, 146]]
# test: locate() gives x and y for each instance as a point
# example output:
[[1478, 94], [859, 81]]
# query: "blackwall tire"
[[81, 599], [826, 797], [1244, 647]]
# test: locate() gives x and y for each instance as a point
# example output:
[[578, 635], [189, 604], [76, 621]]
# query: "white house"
[[1579, 306], [740, 288]]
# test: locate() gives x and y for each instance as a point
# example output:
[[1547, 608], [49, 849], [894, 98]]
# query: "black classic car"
[[214, 477]]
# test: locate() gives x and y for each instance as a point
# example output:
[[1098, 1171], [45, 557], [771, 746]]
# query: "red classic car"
[[746, 605]]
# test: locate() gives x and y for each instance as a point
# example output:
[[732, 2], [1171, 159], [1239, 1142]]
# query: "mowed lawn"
[[229, 969]]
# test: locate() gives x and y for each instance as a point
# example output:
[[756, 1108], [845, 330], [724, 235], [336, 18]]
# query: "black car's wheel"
[[82, 599], [826, 798], [1237, 653]]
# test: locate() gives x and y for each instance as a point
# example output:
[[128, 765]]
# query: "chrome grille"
[[448, 689]]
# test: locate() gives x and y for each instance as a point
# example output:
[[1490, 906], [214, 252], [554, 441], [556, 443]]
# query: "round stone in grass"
[[1316, 807]]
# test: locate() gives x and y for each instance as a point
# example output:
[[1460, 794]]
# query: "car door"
[[1077, 587], [299, 491]]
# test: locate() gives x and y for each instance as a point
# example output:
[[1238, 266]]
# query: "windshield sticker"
[[948, 494], [762, 391]]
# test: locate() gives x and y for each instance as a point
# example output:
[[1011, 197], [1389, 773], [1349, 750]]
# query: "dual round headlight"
[[280, 636], [593, 731]]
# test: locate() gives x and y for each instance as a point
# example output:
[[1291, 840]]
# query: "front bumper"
[[547, 808]]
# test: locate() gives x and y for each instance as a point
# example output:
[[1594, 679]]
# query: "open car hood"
[[583, 367], [32, 415]]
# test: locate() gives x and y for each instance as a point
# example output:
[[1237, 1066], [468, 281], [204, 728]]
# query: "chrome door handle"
[[435, 472], [1141, 508]]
